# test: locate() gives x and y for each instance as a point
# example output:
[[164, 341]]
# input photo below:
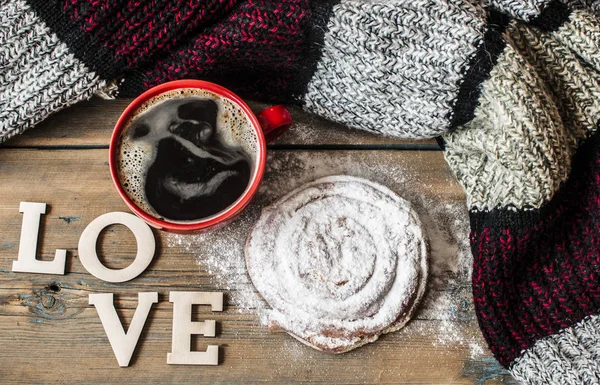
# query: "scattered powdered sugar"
[[448, 228], [221, 254], [477, 350], [449, 299], [447, 308]]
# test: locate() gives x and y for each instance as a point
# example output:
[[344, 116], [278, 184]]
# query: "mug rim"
[[219, 218]]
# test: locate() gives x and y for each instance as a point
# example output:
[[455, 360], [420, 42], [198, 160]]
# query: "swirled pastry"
[[340, 260]]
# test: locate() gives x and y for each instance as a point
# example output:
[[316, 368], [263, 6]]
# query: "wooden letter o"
[[144, 237]]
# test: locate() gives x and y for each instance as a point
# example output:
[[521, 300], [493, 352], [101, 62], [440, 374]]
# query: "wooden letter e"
[[183, 328]]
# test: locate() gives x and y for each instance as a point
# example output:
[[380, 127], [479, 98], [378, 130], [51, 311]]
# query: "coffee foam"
[[136, 156]]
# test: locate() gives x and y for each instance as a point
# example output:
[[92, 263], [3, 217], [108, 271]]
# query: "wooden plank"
[[50, 335], [91, 124]]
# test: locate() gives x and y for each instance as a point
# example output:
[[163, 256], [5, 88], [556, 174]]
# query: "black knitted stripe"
[[133, 85], [552, 17], [478, 69], [321, 12], [97, 58], [441, 142]]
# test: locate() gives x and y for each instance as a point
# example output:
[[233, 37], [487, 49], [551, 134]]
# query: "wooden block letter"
[[146, 246], [123, 344], [26, 262], [183, 328]]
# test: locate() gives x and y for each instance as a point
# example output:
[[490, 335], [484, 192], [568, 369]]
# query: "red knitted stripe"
[[196, 38], [136, 30], [253, 40], [538, 271]]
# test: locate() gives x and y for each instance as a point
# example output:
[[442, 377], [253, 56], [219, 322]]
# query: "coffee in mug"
[[187, 155]]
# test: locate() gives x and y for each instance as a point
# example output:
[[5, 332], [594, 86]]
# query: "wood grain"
[[49, 334], [90, 124]]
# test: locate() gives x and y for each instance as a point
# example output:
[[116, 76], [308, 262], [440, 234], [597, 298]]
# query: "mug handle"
[[274, 122]]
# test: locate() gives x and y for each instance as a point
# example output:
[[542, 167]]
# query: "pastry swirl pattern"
[[340, 260]]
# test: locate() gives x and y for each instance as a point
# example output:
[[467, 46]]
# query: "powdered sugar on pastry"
[[341, 261]]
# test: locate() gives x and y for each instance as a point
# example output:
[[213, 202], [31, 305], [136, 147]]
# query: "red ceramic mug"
[[267, 126]]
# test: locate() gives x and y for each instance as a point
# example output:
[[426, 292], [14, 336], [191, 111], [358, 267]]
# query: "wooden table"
[[49, 333]]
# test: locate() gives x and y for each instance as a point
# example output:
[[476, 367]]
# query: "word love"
[[123, 343]]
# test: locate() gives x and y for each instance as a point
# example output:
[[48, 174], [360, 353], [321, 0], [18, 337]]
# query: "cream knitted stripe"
[[517, 150], [571, 357], [38, 74], [583, 29], [395, 67]]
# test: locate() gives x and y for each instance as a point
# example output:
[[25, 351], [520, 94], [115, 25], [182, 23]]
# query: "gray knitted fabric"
[[530, 9], [395, 67], [502, 157], [571, 357], [38, 74], [522, 9]]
